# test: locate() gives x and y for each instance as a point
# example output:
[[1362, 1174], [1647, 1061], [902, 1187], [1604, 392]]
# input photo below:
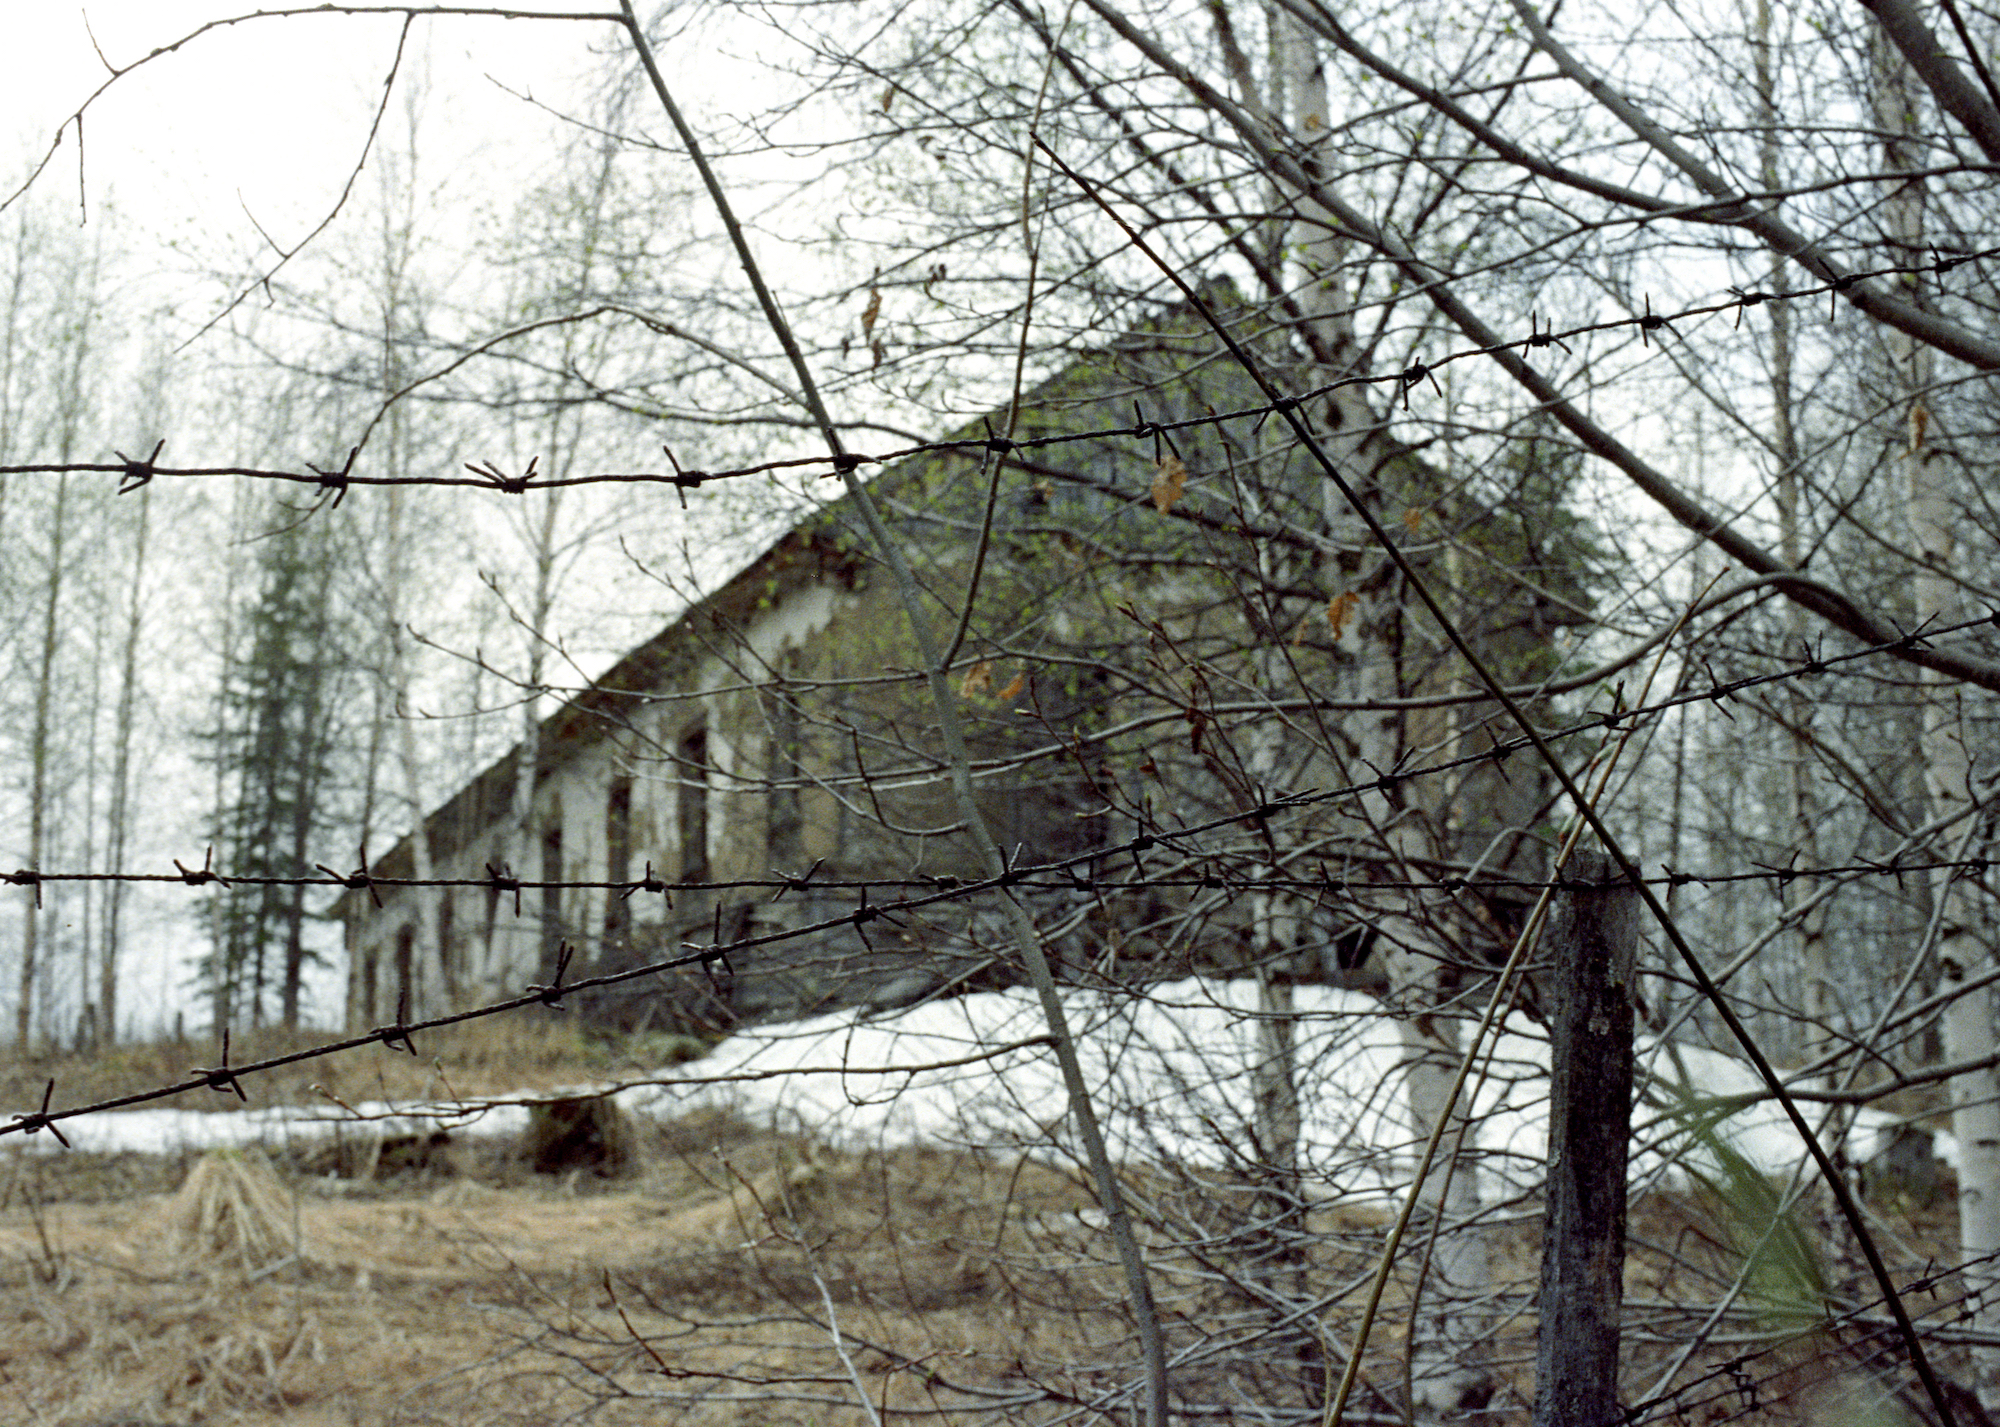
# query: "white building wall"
[[497, 953]]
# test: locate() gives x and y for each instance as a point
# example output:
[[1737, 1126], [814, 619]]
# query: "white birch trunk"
[[1809, 930], [429, 989], [29, 966], [1961, 952], [517, 957], [1947, 754], [121, 780], [515, 954], [1445, 1380]]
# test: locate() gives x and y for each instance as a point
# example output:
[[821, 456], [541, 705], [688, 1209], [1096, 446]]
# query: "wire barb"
[[552, 994], [500, 480], [203, 875], [28, 877], [221, 1077], [41, 1119], [138, 473]]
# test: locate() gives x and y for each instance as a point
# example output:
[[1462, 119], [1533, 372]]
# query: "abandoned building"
[[1163, 634]]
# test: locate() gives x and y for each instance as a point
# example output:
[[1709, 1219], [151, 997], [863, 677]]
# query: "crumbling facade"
[[1140, 658]]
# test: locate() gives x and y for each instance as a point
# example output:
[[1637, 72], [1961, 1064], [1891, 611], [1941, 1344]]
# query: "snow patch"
[[1174, 1076]]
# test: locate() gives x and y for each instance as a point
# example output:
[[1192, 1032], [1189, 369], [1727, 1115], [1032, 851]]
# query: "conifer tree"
[[274, 742]]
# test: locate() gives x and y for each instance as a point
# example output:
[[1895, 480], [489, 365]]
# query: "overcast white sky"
[[265, 119], [272, 109]]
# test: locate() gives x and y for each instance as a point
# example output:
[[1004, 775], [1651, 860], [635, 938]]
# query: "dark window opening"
[[787, 830], [691, 763], [447, 940], [617, 862], [492, 913], [406, 946], [367, 1008], [552, 900]]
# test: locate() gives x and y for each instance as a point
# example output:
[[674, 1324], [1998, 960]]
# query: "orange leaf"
[[978, 679], [1413, 517], [1014, 686], [1169, 477], [1340, 609]]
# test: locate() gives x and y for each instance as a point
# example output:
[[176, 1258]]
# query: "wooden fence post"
[[1593, 943]]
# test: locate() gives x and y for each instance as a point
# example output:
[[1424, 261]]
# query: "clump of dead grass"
[[234, 1211]]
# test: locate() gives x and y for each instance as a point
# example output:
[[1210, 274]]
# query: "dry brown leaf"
[[1197, 716], [1414, 517], [978, 679], [1340, 609], [871, 313], [1014, 686], [1169, 478]]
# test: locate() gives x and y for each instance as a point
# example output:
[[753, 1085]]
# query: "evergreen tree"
[[277, 723]]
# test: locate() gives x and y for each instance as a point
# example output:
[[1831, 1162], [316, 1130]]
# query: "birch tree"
[[49, 364], [1952, 776]]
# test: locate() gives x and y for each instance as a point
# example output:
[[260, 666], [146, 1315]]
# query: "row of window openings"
[[691, 816]]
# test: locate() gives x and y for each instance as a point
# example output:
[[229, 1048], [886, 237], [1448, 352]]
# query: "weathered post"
[[1593, 941]]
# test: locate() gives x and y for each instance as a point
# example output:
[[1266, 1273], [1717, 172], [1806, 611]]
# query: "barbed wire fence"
[[1745, 1383]]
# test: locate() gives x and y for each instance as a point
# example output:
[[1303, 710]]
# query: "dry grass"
[[469, 1303], [488, 1057], [466, 1290], [698, 1293]]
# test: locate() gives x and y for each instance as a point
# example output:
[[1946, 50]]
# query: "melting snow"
[[1173, 1075]]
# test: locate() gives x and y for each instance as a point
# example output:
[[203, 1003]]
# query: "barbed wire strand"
[[489, 475], [500, 879]]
